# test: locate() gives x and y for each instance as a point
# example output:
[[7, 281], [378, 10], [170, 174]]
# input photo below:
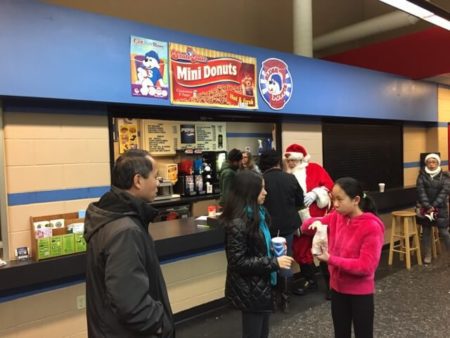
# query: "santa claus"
[[316, 184]]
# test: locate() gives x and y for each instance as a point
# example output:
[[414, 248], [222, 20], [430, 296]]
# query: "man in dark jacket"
[[125, 289], [228, 172], [283, 201]]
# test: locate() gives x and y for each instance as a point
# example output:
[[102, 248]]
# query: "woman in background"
[[355, 240], [248, 163], [433, 187], [252, 268]]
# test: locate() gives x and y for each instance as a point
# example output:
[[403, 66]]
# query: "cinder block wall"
[[51, 152]]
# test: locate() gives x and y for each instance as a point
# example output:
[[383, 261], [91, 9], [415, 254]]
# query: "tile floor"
[[413, 303]]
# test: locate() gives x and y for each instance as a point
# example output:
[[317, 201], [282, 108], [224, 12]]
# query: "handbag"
[[425, 218]]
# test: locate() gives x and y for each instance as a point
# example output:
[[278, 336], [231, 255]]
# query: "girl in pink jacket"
[[355, 240]]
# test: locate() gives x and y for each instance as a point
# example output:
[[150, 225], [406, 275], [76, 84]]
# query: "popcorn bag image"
[[320, 239]]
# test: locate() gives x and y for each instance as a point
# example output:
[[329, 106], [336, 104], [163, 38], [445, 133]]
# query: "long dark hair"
[[353, 188], [242, 197]]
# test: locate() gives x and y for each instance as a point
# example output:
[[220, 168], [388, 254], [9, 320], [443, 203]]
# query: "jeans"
[[426, 239], [287, 272]]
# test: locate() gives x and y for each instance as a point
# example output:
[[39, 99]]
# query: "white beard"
[[300, 174]]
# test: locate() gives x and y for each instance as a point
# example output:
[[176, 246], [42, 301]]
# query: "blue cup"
[[279, 246]]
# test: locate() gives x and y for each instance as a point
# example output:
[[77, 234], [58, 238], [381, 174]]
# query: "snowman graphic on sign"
[[149, 75]]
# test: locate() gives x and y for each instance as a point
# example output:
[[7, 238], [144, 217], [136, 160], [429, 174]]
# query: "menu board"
[[128, 134], [166, 137], [205, 136], [160, 137]]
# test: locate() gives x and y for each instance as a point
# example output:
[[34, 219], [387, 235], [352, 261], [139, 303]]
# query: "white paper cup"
[[381, 186], [212, 211], [279, 246]]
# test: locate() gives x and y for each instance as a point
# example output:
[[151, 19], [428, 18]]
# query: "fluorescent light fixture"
[[423, 9]]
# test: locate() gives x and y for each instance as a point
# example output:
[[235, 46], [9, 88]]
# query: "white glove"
[[304, 214], [309, 198]]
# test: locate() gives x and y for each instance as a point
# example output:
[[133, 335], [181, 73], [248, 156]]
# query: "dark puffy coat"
[[248, 273], [227, 175], [125, 289], [433, 192], [284, 199]]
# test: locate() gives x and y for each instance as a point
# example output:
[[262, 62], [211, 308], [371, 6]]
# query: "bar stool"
[[403, 234], [435, 242]]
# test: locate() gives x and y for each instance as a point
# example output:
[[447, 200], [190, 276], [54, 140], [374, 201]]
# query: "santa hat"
[[433, 155], [297, 152]]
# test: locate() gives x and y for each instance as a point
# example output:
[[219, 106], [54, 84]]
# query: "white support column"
[[302, 25]]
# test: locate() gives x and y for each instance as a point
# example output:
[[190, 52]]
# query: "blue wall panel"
[[55, 52]]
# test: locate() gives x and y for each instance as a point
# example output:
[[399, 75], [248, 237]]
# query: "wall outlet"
[[81, 302]]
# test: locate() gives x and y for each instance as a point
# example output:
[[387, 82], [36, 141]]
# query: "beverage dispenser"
[[198, 177], [186, 182], [212, 163]]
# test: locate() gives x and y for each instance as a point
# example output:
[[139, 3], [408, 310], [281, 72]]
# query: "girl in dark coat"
[[251, 270], [433, 187]]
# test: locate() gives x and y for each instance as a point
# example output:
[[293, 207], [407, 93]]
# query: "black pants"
[[325, 274], [255, 324], [358, 309]]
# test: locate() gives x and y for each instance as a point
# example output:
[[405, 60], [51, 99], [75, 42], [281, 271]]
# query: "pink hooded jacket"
[[354, 246]]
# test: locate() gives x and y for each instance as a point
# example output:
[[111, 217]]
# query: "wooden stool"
[[404, 234], [435, 242]]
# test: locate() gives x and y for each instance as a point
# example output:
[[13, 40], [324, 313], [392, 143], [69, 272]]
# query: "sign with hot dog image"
[[128, 134], [204, 77]]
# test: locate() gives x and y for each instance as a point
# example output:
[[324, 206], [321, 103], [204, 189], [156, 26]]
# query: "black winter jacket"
[[125, 289], [433, 192], [227, 175], [248, 273], [284, 199]]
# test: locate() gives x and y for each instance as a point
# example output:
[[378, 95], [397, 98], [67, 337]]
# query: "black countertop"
[[394, 199], [183, 200], [173, 240]]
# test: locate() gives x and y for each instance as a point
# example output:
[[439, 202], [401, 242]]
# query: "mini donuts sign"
[[207, 77], [275, 83]]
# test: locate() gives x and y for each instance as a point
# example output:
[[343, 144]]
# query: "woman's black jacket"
[[248, 273], [433, 192]]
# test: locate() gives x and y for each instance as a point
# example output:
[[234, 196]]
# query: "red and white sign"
[[211, 78]]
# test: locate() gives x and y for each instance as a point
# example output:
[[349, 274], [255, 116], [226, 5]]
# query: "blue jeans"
[[287, 272]]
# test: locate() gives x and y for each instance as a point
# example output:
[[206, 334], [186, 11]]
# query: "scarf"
[[267, 238], [434, 172]]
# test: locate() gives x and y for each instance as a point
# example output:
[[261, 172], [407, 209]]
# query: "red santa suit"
[[312, 177]]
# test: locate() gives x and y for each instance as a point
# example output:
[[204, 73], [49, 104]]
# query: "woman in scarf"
[[433, 187], [252, 267]]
